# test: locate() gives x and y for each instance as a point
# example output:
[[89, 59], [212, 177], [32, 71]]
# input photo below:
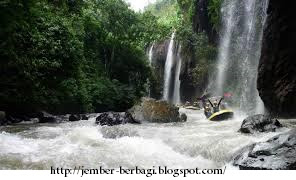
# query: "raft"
[[221, 115], [192, 108]]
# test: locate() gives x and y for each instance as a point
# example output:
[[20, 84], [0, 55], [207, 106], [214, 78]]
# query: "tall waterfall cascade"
[[176, 95], [239, 52], [150, 59], [168, 69], [172, 70], [150, 54]]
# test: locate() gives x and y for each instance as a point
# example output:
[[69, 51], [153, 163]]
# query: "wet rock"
[[63, 117], [45, 117], [151, 110], [34, 120], [26, 118], [259, 123], [183, 117], [14, 119], [84, 117], [36, 114], [277, 66], [278, 153], [77, 117], [3, 120], [114, 118], [74, 117]]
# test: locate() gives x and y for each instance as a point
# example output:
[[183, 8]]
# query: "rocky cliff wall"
[[277, 69]]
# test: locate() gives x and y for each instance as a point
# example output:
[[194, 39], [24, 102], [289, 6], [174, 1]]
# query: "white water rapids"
[[196, 143]]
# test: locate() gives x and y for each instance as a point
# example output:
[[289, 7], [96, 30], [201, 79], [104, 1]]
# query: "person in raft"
[[216, 105], [208, 110]]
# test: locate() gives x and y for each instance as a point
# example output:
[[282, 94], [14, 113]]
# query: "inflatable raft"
[[191, 108], [221, 115]]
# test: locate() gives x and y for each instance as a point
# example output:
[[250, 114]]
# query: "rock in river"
[[84, 117], [259, 123], [115, 118], [278, 153], [45, 117], [151, 110], [74, 117], [3, 120]]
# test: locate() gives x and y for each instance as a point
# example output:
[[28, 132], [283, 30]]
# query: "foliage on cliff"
[[214, 12], [166, 11], [198, 52], [197, 49], [73, 56]]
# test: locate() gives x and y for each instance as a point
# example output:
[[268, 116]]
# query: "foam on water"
[[195, 143]]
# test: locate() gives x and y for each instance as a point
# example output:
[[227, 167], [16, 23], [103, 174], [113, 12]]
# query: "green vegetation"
[[167, 12], [197, 51], [73, 55], [88, 55], [196, 46], [205, 54], [214, 12]]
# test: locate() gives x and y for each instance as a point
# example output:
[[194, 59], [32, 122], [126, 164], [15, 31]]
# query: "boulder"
[[278, 153], [259, 123], [114, 118], [45, 117], [14, 119], [151, 110], [17, 118], [74, 117], [183, 117], [84, 117], [3, 120], [26, 118]]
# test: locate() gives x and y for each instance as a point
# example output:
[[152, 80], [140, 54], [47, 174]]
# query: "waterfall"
[[150, 58], [168, 69], [150, 54], [176, 97], [239, 52], [227, 12]]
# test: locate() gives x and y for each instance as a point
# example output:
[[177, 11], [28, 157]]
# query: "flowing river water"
[[196, 143]]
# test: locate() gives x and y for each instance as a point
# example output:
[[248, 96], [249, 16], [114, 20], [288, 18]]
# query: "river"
[[195, 143]]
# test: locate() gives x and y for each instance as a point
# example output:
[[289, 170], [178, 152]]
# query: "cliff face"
[[201, 20], [158, 62], [200, 23], [187, 88], [277, 68]]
